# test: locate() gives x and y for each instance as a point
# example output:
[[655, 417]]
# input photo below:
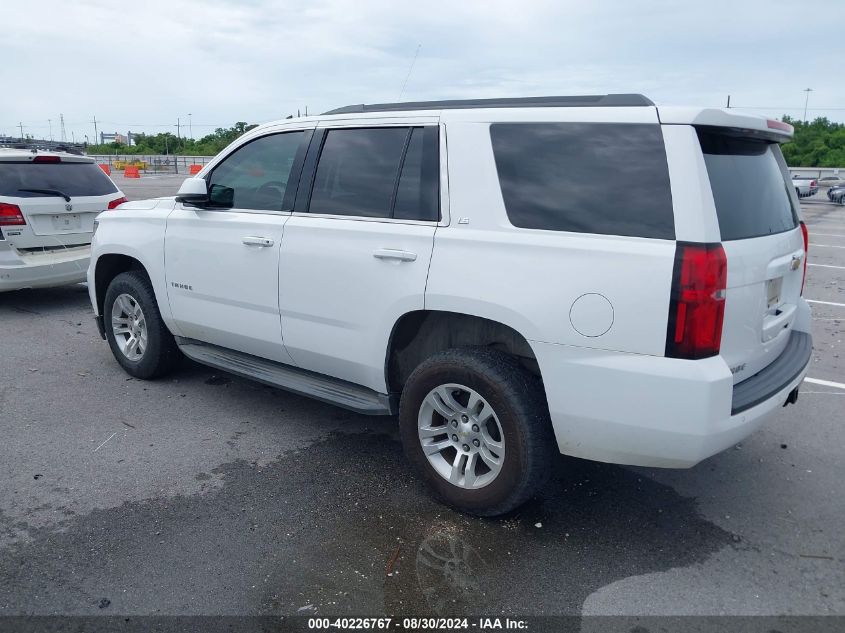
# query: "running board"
[[332, 390]]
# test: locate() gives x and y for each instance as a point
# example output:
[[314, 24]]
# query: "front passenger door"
[[222, 262]]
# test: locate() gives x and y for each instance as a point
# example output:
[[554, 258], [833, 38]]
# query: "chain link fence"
[[151, 164]]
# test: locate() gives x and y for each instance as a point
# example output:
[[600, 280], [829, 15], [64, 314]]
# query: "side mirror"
[[221, 196], [194, 191]]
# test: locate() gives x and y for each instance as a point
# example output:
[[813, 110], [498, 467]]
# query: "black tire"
[[518, 399], [161, 353]]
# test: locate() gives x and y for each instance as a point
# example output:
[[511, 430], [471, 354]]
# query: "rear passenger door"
[[357, 248]]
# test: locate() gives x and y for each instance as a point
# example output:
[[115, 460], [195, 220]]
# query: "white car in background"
[[48, 202], [804, 186], [831, 181]]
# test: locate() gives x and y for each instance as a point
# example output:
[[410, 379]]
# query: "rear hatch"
[[763, 243], [58, 196]]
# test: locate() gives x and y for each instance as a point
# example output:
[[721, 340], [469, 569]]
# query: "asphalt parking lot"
[[207, 494]]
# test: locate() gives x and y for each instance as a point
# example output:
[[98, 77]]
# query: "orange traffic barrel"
[[131, 172], [195, 169], [106, 169]]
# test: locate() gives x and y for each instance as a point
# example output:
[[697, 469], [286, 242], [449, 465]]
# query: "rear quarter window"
[[74, 179], [604, 178], [750, 184]]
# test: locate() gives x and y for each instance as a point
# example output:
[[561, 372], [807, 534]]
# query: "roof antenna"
[[408, 76]]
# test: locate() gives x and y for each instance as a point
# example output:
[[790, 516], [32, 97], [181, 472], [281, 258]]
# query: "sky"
[[143, 65]]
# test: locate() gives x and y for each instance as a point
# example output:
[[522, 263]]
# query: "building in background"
[[116, 137]]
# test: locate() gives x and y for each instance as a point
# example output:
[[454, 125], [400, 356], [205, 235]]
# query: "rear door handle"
[[392, 253], [251, 240]]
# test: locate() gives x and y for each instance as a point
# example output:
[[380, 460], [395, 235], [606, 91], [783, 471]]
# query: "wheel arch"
[[109, 266], [418, 334]]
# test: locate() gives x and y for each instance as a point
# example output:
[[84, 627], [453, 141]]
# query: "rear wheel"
[[139, 339], [475, 423]]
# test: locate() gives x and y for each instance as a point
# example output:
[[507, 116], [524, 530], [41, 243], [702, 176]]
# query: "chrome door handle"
[[251, 240], [392, 253]]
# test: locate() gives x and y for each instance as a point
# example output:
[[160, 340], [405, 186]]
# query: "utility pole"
[[96, 137], [178, 123], [729, 101], [190, 126], [806, 100], [64, 134], [50, 123], [21, 127]]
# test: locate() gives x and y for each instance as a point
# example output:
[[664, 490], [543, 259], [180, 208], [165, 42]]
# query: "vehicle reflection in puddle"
[[448, 570], [317, 530]]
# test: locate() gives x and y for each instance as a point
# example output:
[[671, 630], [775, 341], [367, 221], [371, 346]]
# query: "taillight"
[[113, 204], [806, 235], [10, 215], [812, 183], [697, 303], [47, 159], [779, 125]]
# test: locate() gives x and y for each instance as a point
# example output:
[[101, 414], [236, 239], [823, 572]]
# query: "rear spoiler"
[[731, 122]]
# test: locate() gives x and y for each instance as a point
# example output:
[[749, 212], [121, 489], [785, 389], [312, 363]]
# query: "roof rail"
[[611, 100]]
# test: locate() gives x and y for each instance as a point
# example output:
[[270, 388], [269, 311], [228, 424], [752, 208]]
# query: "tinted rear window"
[[602, 178], [379, 172], [357, 171], [74, 179], [750, 184]]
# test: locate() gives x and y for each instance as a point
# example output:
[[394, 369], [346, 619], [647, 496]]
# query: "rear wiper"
[[49, 192]]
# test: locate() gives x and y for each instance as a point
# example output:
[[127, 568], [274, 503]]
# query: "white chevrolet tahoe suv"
[[468, 266], [48, 202]]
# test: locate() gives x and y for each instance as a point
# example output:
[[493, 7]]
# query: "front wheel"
[[475, 424], [139, 339]]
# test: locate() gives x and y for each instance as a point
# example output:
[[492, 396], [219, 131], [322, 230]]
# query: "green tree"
[[819, 143], [168, 143]]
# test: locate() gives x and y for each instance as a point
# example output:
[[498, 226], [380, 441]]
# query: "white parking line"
[[825, 245], [826, 266], [826, 393], [826, 303], [825, 383]]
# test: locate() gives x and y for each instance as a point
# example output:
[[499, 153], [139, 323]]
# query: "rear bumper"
[[767, 383], [42, 270], [655, 411]]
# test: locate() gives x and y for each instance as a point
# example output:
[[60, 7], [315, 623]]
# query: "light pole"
[[806, 100], [190, 127], [50, 123]]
